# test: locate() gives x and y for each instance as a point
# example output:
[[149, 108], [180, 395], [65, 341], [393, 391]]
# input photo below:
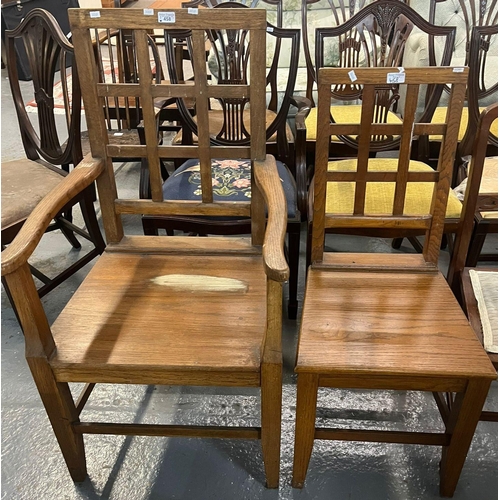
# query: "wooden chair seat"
[[216, 120], [341, 114], [146, 296], [24, 184], [440, 114], [385, 324]]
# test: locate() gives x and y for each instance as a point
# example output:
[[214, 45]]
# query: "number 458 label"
[[166, 17], [396, 78]]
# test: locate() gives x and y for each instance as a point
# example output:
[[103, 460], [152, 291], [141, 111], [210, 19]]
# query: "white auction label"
[[269, 29], [94, 14], [193, 10], [149, 12], [458, 69], [166, 17], [396, 78], [352, 75]]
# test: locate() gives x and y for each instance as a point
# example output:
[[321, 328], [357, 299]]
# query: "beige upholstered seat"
[[24, 184]]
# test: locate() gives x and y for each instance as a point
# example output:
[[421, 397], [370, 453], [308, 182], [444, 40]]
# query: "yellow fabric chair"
[[380, 195], [341, 114], [440, 114]]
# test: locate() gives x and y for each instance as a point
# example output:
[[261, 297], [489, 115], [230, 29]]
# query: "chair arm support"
[[268, 181], [19, 251], [303, 105]]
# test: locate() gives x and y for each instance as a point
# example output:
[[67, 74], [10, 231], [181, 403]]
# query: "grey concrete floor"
[[139, 468]]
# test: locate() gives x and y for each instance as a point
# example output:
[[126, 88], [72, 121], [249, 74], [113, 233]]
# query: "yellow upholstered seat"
[[440, 117], [341, 114], [380, 195]]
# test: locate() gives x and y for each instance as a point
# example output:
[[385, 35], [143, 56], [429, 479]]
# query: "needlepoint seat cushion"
[[231, 181]]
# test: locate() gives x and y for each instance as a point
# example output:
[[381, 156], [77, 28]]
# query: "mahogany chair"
[[229, 125], [486, 217], [386, 321], [374, 36], [26, 181], [126, 324], [482, 58], [476, 288]]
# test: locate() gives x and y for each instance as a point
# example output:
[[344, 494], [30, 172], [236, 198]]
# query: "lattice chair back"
[[366, 174], [147, 90]]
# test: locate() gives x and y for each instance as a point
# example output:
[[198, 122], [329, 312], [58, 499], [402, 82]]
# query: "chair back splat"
[[372, 81]]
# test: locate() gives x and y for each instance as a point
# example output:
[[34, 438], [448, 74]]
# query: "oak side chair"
[[479, 301], [26, 181], [127, 323], [386, 321]]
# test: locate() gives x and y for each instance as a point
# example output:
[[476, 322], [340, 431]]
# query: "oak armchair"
[[126, 324]]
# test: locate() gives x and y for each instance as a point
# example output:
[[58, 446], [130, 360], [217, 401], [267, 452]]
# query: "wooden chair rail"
[[227, 432], [19, 251]]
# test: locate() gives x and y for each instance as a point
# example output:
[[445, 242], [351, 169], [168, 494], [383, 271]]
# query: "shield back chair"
[[26, 181], [386, 321], [478, 57], [465, 15], [228, 121], [477, 288], [486, 218], [375, 36], [126, 322]]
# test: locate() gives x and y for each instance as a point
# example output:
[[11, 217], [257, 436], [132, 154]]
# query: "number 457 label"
[[166, 17]]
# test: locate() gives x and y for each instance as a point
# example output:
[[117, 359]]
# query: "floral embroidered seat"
[[231, 181]]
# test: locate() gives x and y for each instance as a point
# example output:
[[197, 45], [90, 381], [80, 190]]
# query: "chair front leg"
[[461, 425], [305, 424]]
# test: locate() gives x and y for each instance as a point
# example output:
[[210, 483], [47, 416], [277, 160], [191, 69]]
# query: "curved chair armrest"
[[268, 181], [303, 105], [19, 251]]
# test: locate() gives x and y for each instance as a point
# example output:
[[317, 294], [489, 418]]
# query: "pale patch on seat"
[[201, 283]]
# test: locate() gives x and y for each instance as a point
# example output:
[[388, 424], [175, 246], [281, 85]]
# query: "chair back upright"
[[147, 90], [371, 80], [48, 52], [480, 40]]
